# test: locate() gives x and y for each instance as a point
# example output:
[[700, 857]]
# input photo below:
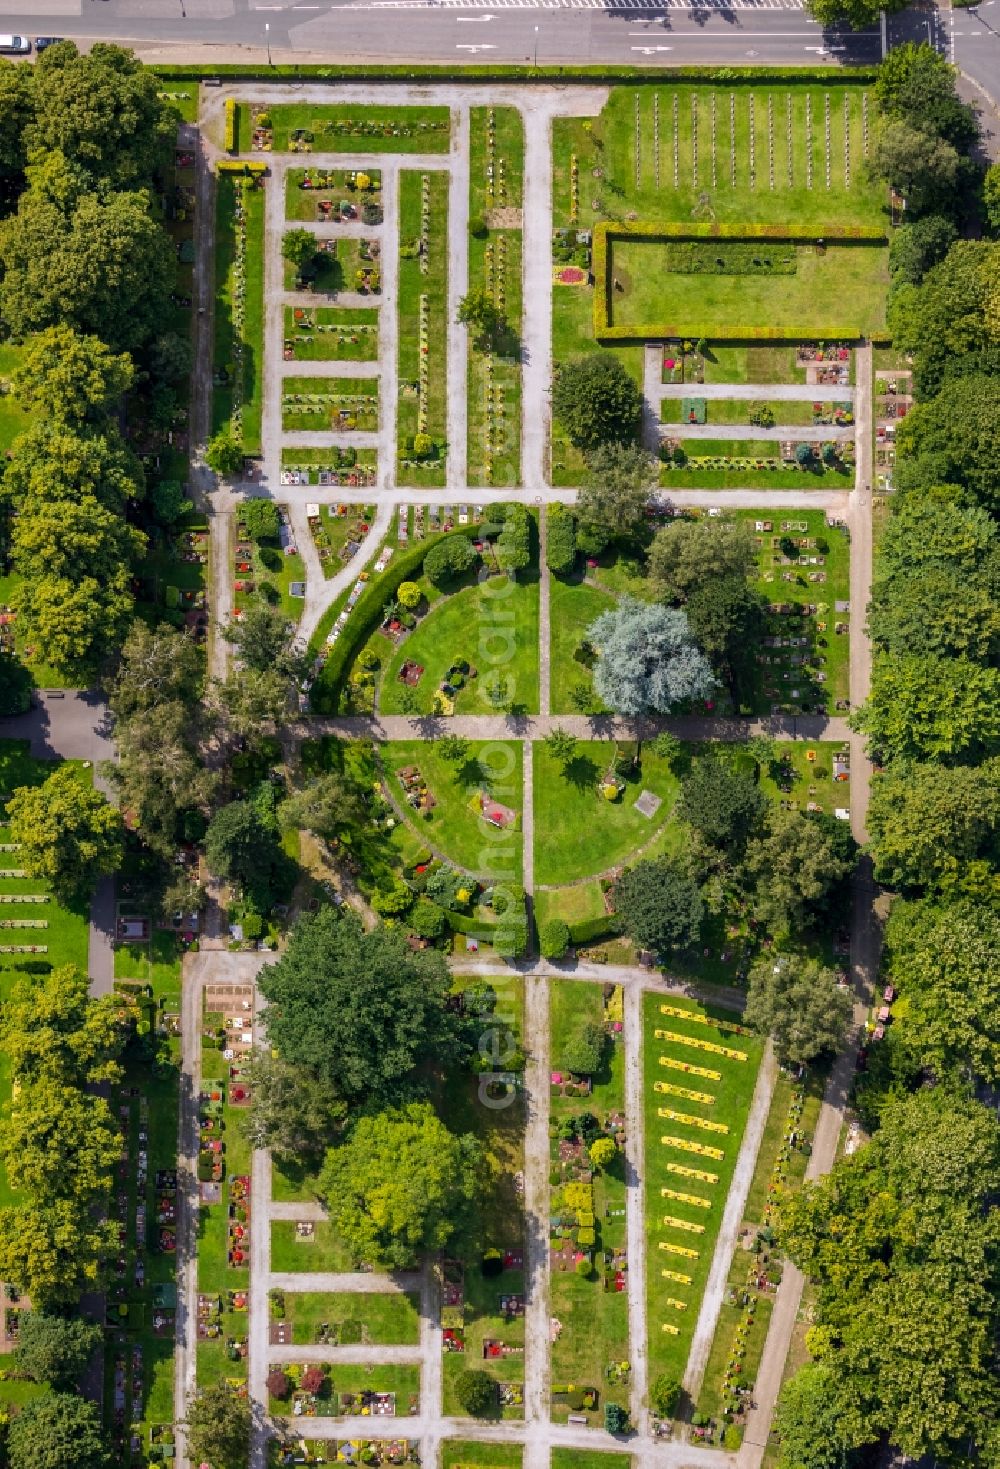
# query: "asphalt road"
[[721, 32]]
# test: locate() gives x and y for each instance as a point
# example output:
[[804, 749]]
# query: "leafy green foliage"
[[218, 1426], [618, 488], [358, 1009], [560, 540], [798, 1002], [689, 554], [596, 401], [55, 1430], [245, 850], [69, 834], [583, 1051], [54, 1349], [71, 377], [647, 659], [935, 827], [224, 453], [448, 558], [400, 1185], [725, 806], [260, 518], [922, 707], [477, 1392], [660, 906], [795, 866], [293, 1112]]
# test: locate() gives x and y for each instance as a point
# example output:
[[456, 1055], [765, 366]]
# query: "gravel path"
[[327, 369], [536, 727], [544, 620], [536, 1207], [388, 333], [536, 332], [344, 1282], [810, 433], [764, 392], [322, 591], [635, 1207]]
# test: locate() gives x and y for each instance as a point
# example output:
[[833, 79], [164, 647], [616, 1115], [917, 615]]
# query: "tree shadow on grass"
[[582, 772]]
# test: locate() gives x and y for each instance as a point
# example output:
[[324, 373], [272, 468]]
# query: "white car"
[[19, 44]]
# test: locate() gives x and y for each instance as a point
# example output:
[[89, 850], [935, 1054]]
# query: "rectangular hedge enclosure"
[[720, 282]]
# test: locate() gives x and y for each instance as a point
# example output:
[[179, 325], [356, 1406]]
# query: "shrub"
[[477, 1392], [423, 445], [553, 938], [449, 558], [663, 1395], [491, 1264], [603, 1152], [615, 1418], [478, 227], [427, 919], [409, 595], [261, 519], [513, 547], [583, 1051], [591, 540], [278, 1384], [313, 1380], [584, 1268], [561, 544]]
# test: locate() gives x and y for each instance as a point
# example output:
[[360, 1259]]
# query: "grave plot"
[[238, 357], [173, 573], [423, 328], [591, 1459], [339, 532], [494, 412], [223, 1185], [267, 567], [467, 665], [334, 195], [356, 128], [728, 154], [322, 1390], [307, 1245], [483, 1303], [699, 1073], [802, 662], [329, 405], [588, 1261], [284, 1450], [330, 334], [454, 808], [304, 1318], [338, 464], [460, 1454]]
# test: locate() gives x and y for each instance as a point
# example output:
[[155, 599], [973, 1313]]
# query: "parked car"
[[41, 42], [15, 43]]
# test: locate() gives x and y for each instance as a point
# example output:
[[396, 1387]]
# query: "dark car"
[[42, 41]]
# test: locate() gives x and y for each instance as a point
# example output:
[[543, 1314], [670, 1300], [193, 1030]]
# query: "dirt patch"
[[504, 219]]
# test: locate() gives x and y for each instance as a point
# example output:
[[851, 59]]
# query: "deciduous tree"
[[794, 866], [798, 1003], [69, 834], [325, 805], [817, 1425], [54, 1033], [400, 1185], [722, 803], [218, 1426], [57, 1429], [660, 906], [54, 1349], [618, 488], [583, 1049], [926, 708], [596, 401], [359, 1009], [293, 1112], [242, 849], [687, 554], [63, 375], [936, 827]]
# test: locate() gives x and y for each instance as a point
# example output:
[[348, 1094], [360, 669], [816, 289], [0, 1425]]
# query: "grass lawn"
[[332, 333], [228, 257], [185, 98], [737, 411], [573, 336], [731, 363], [371, 1319], [323, 1252], [492, 626], [329, 404], [731, 1088], [789, 127], [457, 1453], [572, 904], [14, 1393], [573, 606], [791, 776], [698, 478], [594, 1320], [13, 418], [354, 1378], [496, 1220], [577, 832], [835, 291], [590, 1459], [353, 127], [335, 185], [422, 347], [494, 382], [455, 828]]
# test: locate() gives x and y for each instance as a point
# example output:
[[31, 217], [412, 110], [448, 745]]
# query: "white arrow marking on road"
[[475, 48], [649, 50], [473, 19]]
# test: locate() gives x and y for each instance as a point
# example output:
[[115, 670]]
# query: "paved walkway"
[[583, 727], [753, 392], [544, 619], [635, 1205], [808, 433]]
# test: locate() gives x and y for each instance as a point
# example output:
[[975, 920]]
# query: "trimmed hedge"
[[480, 71], [606, 232], [560, 540], [367, 614], [233, 165], [586, 930]]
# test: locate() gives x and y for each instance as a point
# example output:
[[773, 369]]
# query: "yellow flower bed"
[[702, 1149], [695, 1199], [690, 1040], [699, 1173], [702, 1122], [666, 1088], [672, 1222], [675, 1304], [679, 1014], [678, 1250], [669, 1326], [676, 1276], [686, 1066]]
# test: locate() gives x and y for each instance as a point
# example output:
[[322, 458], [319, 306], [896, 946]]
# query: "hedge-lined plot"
[[690, 1054]]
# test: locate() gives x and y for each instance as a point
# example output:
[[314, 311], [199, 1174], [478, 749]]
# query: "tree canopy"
[[647, 658], [361, 1010], [75, 378], [722, 803], [794, 866], [293, 1112], [936, 827], [922, 707], [618, 488], [242, 847], [596, 401], [400, 1185], [948, 317], [688, 554], [659, 905], [797, 1001], [218, 1424], [903, 1253], [69, 834], [54, 1349], [57, 1429]]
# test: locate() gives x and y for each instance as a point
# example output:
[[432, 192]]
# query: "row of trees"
[[899, 1240]]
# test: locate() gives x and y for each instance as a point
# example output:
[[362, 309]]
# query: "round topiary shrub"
[[553, 938], [278, 1384], [477, 1392], [583, 1267]]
